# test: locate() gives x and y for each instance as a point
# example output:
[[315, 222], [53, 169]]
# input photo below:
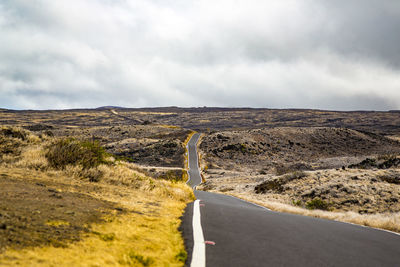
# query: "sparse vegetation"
[[277, 184], [173, 175], [138, 215], [392, 179], [388, 221], [382, 162], [318, 204], [296, 203], [14, 133], [134, 259], [367, 197], [64, 152], [294, 175]]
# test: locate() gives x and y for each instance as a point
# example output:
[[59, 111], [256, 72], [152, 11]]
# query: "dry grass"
[[145, 234], [33, 157], [387, 221], [364, 197], [169, 126], [394, 137]]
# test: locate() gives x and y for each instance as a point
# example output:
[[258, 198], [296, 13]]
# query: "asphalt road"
[[249, 235]]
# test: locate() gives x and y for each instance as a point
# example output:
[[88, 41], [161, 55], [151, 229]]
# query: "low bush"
[[173, 175], [294, 176], [383, 162], [64, 152], [296, 203], [318, 204], [11, 142], [277, 185], [271, 185], [14, 132], [390, 179]]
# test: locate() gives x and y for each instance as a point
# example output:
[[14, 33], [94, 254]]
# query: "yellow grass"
[[57, 223], [169, 126], [145, 235], [33, 157], [131, 239]]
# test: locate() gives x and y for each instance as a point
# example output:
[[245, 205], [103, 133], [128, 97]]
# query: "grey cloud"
[[307, 53]]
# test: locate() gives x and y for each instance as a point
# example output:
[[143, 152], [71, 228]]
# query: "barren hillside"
[[285, 149]]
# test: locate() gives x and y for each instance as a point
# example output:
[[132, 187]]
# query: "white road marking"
[[199, 247], [369, 227], [254, 204], [355, 224]]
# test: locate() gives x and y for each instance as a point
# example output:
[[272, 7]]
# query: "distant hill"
[[109, 107]]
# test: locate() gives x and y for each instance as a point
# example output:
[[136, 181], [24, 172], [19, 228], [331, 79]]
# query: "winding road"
[[221, 231]]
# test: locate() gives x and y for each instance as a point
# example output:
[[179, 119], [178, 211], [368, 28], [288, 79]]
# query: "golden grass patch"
[[144, 232], [141, 237], [169, 126]]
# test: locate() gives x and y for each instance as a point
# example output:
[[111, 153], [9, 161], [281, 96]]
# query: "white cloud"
[[307, 53]]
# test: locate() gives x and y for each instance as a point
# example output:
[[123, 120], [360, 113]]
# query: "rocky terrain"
[[361, 191], [280, 150], [332, 169], [154, 148], [312, 159], [314, 168], [209, 119]]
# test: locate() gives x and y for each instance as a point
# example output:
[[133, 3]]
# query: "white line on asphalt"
[[369, 227], [199, 247], [360, 225], [254, 204]]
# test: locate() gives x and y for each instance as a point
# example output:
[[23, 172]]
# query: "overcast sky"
[[342, 54]]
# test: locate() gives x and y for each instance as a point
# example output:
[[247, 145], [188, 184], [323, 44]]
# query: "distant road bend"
[[249, 235]]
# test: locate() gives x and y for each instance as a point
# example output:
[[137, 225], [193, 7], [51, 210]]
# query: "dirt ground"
[[42, 213]]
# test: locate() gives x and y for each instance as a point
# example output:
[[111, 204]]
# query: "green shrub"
[[296, 203], [172, 175], [318, 204], [136, 258], [181, 256], [71, 152]]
